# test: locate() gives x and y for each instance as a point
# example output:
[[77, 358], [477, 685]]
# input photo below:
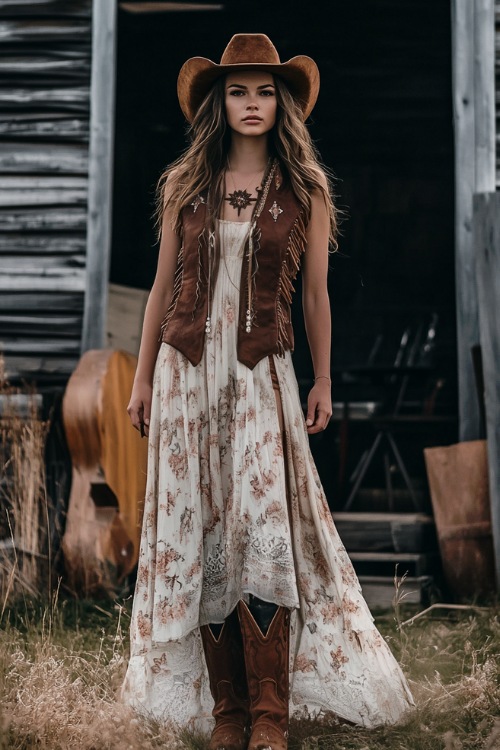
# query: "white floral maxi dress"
[[216, 528]]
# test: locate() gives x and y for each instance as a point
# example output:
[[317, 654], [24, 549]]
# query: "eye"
[[267, 92], [235, 92]]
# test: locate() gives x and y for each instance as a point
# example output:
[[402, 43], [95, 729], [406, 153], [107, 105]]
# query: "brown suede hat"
[[247, 52]]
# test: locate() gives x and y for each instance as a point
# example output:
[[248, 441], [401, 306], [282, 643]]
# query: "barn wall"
[[45, 62], [497, 88]]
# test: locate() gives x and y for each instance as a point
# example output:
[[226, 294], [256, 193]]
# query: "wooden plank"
[[58, 128], [39, 265], [484, 95], [397, 532], [52, 30], [473, 112], [463, 114], [44, 368], [34, 157], [43, 66], [379, 591], [75, 99], [104, 20], [166, 7], [50, 219], [57, 282], [22, 405], [32, 346], [48, 301], [42, 324], [487, 246], [35, 8], [43, 244], [125, 315], [42, 197], [417, 564]]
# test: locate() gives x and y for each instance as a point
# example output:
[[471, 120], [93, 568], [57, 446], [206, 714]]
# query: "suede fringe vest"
[[272, 254]]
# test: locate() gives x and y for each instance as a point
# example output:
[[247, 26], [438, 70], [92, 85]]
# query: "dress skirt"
[[228, 512]]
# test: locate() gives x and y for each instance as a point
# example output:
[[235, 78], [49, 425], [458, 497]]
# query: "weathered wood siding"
[[474, 121], [487, 246], [45, 64]]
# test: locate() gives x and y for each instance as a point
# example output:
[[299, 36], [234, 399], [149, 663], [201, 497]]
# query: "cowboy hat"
[[247, 52]]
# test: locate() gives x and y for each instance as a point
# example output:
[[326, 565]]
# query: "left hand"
[[319, 406]]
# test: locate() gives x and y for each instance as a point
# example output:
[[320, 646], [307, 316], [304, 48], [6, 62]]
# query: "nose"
[[252, 104]]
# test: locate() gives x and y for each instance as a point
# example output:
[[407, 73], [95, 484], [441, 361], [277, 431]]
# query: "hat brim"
[[199, 73]]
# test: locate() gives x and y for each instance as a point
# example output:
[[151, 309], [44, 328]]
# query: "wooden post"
[[487, 251], [102, 97], [473, 29]]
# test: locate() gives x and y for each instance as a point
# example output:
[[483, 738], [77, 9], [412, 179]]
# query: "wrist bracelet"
[[323, 376]]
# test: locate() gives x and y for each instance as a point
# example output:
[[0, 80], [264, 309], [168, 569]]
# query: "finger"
[[320, 423], [311, 411], [135, 414]]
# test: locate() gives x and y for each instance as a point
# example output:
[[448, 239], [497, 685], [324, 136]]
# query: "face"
[[250, 102]]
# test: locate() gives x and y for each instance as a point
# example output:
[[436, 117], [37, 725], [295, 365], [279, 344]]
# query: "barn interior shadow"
[[383, 125]]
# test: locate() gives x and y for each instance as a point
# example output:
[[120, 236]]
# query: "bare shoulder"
[[321, 176], [169, 185]]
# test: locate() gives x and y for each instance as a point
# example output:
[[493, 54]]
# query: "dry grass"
[[62, 662], [61, 667], [25, 559]]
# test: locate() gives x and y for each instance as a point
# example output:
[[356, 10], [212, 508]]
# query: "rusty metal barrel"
[[458, 482]]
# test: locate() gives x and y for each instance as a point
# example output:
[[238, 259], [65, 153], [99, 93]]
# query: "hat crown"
[[250, 49]]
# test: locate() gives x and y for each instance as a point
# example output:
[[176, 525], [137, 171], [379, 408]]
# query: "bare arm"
[[139, 408], [317, 316]]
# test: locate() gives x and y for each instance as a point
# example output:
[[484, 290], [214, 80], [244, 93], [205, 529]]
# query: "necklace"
[[240, 199]]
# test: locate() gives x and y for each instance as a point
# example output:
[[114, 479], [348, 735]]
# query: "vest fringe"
[[257, 233], [291, 263], [200, 268], [178, 274]]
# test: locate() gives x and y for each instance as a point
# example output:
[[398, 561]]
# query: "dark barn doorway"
[[383, 124]]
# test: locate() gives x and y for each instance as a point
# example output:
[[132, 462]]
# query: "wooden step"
[[387, 563], [375, 499], [386, 532], [379, 591]]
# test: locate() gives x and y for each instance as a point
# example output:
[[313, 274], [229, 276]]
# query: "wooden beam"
[[487, 252], [473, 27], [102, 98], [167, 7], [484, 96]]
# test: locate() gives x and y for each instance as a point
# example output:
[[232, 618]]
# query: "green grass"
[[61, 666]]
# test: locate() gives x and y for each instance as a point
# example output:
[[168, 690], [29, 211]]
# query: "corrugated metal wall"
[[45, 56]]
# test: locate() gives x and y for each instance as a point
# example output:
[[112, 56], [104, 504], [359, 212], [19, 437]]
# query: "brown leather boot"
[[266, 661], [226, 671]]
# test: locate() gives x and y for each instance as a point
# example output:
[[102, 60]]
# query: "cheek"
[[230, 109], [272, 110]]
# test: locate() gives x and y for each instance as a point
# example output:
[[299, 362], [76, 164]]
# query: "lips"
[[252, 118]]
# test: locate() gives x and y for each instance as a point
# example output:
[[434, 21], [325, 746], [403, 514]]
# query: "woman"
[[242, 575]]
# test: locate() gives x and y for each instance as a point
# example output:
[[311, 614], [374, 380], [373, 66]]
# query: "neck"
[[248, 155]]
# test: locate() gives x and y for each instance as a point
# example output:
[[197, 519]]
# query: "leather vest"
[[271, 260]]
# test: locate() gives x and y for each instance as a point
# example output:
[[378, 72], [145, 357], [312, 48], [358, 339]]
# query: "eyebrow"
[[242, 86]]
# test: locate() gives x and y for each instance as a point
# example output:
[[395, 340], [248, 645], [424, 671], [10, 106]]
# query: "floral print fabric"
[[217, 528]]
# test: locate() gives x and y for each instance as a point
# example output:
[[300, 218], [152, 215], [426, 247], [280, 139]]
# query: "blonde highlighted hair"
[[201, 167]]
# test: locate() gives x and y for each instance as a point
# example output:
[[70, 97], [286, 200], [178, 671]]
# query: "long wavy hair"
[[202, 166]]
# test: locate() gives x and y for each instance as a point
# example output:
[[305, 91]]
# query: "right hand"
[[139, 408]]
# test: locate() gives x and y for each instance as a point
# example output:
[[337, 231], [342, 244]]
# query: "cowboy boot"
[[266, 660], [226, 672]]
